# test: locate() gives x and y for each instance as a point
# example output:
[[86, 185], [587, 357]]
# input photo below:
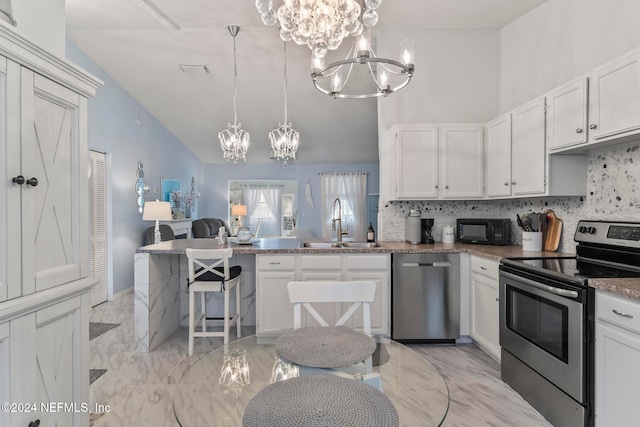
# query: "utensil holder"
[[532, 241]]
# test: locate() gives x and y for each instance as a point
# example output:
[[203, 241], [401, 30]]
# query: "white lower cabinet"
[[617, 360], [484, 305], [44, 363], [274, 272]]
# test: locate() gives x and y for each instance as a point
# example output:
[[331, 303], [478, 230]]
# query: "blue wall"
[[113, 129], [214, 188]]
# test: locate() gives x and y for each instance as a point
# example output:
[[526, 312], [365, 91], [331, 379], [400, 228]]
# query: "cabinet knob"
[[35, 423], [32, 182], [513, 183], [593, 126], [436, 186], [579, 130], [446, 187], [497, 298], [506, 183], [18, 179]]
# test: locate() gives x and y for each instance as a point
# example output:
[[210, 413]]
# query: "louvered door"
[[97, 226]]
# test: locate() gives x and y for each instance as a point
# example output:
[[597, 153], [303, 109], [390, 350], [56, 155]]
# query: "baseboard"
[[122, 293]]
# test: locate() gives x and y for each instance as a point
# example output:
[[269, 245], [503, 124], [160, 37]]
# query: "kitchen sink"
[[320, 245], [338, 245], [360, 245]]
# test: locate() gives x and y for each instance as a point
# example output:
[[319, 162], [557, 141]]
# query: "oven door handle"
[[551, 289]]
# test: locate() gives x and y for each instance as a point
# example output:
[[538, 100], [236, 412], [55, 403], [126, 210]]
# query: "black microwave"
[[484, 231]]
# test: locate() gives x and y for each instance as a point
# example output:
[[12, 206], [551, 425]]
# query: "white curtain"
[[271, 226], [252, 200], [350, 188], [355, 189]]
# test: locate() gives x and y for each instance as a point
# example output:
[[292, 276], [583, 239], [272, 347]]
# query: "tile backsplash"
[[613, 193]]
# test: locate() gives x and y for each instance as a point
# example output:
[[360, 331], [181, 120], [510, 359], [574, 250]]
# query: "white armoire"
[[45, 281]]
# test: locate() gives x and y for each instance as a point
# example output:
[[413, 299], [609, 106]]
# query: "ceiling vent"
[[194, 69]]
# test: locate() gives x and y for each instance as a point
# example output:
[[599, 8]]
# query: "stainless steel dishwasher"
[[425, 298]]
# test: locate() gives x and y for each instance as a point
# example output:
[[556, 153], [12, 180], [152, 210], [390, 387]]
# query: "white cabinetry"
[[617, 360], [414, 160], [517, 163], [484, 305], [461, 157], [273, 309], [498, 157], [528, 149], [567, 115], [44, 223], [274, 272], [614, 98], [426, 162]]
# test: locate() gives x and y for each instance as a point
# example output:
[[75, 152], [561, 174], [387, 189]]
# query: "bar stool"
[[209, 271]]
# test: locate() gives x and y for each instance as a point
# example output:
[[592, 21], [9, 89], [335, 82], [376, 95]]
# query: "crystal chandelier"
[[234, 140], [320, 24], [284, 139]]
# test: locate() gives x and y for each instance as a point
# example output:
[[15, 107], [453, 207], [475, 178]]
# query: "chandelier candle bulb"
[[407, 48]]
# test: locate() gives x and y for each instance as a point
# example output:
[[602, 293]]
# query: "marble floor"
[[138, 387]]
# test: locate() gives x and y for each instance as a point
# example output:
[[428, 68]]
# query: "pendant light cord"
[[285, 83], [235, 86]]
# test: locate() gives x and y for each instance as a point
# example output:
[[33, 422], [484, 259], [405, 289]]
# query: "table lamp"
[[158, 211], [244, 234]]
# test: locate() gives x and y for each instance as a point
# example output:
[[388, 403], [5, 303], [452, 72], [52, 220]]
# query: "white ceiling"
[[141, 43]]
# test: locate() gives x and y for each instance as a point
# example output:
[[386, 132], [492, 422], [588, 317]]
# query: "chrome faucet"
[[338, 229]]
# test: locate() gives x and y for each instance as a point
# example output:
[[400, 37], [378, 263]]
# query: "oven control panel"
[[609, 233]]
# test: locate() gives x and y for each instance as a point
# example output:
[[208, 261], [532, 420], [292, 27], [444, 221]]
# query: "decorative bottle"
[[371, 234]]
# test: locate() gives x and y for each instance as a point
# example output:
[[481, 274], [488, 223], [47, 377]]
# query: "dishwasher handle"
[[427, 264]]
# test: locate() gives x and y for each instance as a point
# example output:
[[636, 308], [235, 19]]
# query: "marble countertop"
[[625, 287]]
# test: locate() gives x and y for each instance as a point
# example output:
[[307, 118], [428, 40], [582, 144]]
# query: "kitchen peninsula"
[[161, 275]]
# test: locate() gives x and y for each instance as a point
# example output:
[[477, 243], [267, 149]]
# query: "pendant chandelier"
[[322, 25], [284, 139], [234, 140]]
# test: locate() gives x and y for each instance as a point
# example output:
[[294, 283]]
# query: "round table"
[[409, 380]]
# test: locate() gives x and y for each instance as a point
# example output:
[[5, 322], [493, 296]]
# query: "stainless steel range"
[[547, 319]]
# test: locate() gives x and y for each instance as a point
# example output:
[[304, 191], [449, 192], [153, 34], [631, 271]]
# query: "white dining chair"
[[209, 271], [358, 293]]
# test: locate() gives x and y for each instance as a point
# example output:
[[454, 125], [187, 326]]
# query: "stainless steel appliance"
[[412, 227], [425, 298], [490, 231], [547, 319]]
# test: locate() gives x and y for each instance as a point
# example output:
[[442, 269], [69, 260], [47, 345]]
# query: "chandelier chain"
[[285, 83], [235, 83]]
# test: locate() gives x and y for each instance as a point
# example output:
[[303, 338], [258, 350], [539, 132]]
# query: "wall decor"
[[141, 189]]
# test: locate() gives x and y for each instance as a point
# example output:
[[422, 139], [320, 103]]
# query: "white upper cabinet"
[[461, 153], [614, 103], [498, 157], [567, 115], [415, 161], [528, 149]]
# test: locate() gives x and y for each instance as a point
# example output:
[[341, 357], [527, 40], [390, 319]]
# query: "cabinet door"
[[617, 376], [416, 162], [461, 149], [528, 149], [330, 312], [567, 115], [614, 93], [498, 157], [62, 355], [274, 311], [380, 306], [485, 313], [55, 211]]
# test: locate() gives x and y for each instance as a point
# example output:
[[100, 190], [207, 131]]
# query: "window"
[[351, 190]]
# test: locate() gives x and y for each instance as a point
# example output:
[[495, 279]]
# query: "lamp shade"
[[239, 210], [157, 211]]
